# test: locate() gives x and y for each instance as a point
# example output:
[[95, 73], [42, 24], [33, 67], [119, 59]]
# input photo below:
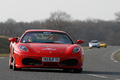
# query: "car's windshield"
[[94, 41], [46, 37]]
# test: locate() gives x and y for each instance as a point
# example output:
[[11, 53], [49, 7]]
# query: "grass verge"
[[4, 55], [85, 48], [118, 56]]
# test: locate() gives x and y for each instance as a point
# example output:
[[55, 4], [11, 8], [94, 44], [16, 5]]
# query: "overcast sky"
[[30, 10]]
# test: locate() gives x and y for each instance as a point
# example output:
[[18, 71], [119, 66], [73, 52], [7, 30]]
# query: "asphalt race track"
[[99, 64]]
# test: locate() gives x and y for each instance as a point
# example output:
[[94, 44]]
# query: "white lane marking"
[[2, 57], [112, 55], [97, 76]]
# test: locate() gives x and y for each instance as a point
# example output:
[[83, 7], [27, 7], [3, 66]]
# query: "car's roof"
[[44, 30]]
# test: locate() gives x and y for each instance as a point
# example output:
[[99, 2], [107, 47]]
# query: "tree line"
[[87, 30]]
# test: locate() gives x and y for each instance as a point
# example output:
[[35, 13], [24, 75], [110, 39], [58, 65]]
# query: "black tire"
[[10, 66], [66, 70], [77, 70], [90, 47], [105, 46]]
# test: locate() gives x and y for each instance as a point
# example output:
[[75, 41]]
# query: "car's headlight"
[[76, 49], [23, 48]]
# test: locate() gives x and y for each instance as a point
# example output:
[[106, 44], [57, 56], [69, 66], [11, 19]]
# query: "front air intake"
[[70, 62], [29, 61]]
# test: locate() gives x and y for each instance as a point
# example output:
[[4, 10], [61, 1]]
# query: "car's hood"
[[48, 48]]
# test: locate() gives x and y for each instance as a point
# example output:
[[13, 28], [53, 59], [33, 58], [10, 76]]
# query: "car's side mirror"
[[14, 39], [79, 42]]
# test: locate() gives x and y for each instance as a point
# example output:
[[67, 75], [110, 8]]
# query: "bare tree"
[[12, 21], [58, 20], [117, 15], [60, 16]]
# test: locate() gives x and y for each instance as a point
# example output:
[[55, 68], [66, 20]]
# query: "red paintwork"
[[37, 51]]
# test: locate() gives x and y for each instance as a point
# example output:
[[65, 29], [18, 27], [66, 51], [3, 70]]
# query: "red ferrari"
[[46, 49]]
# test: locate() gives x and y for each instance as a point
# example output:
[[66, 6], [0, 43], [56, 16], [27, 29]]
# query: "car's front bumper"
[[35, 61]]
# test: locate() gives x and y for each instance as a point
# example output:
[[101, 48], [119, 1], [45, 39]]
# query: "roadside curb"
[[112, 57]]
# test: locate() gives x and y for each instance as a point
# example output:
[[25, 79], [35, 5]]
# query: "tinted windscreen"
[[46, 37]]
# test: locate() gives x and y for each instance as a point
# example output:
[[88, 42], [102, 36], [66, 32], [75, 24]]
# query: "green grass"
[[85, 48], [118, 56], [4, 55]]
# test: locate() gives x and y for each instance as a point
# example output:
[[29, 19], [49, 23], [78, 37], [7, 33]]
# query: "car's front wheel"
[[14, 67], [90, 47], [98, 47], [105, 46], [77, 70], [10, 66], [66, 70]]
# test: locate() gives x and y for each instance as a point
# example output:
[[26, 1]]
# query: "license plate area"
[[50, 59]]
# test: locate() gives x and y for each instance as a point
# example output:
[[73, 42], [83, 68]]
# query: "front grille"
[[70, 62], [29, 61]]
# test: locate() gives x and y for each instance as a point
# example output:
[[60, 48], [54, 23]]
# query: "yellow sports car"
[[102, 44]]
